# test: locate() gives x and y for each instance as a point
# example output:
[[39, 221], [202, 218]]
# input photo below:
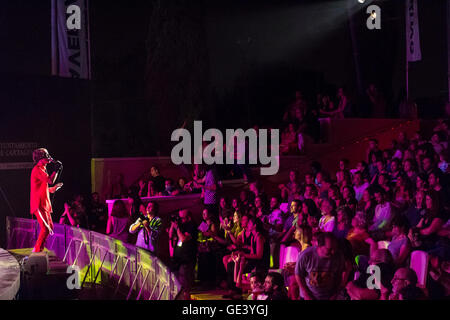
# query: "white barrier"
[[101, 259]]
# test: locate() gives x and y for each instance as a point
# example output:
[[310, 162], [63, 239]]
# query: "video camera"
[[143, 217]]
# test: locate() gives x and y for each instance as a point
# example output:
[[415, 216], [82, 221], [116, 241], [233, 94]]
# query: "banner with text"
[[70, 39], [16, 155], [413, 52]]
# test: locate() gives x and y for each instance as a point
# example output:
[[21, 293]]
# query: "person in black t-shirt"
[[158, 180], [183, 232]]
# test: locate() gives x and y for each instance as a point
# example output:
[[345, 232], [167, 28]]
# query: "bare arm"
[[288, 235], [135, 226], [404, 253], [307, 295], [259, 250], [435, 226], [109, 225]]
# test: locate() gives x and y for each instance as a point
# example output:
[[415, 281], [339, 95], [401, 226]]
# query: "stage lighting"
[[361, 1]]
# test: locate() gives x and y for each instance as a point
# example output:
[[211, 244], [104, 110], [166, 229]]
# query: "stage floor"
[[9, 276]]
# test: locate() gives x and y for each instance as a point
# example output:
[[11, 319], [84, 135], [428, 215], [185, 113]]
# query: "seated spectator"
[[359, 185], [257, 286], [439, 143], [118, 222], [358, 289], [148, 227], [400, 246], [383, 182], [244, 262], [403, 277], [143, 188], [373, 150], [435, 180], [261, 212], [383, 212], [170, 188], [395, 170], [182, 186], [335, 195], [416, 210], [431, 223], [328, 219], [402, 194], [443, 163], [422, 182], [410, 169], [240, 237], [151, 191], [358, 235], [319, 269], [348, 194], [224, 208], [274, 221], [439, 275], [343, 223], [98, 213], [289, 143], [343, 168], [274, 287], [291, 222], [245, 202], [288, 189]]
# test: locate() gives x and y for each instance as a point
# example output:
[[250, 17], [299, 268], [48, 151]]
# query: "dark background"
[[158, 63]]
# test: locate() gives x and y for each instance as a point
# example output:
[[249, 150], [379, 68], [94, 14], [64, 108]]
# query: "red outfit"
[[40, 204]]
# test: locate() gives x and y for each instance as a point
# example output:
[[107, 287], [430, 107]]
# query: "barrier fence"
[[132, 271]]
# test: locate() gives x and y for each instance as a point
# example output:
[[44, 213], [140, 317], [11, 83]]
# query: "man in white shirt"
[[359, 186], [383, 212]]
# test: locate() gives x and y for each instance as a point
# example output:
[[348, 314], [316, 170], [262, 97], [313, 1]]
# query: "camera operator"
[[149, 227], [183, 232]]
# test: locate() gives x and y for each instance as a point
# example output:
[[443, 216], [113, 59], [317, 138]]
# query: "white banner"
[[413, 52], [70, 39]]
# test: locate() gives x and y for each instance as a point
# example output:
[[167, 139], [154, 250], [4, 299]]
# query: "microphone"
[[55, 161]]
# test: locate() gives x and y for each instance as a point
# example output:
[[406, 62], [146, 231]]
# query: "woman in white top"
[[327, 221]]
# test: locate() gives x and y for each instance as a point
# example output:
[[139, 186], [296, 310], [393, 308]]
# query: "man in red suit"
[[40, 204]]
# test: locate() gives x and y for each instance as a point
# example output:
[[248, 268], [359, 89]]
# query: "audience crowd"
[[320, 236]]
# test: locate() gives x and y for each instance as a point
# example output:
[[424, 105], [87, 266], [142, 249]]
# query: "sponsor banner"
[[70, 39], [413, 52]]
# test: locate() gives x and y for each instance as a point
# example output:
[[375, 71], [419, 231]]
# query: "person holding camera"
[[149, 227], [183, 232]]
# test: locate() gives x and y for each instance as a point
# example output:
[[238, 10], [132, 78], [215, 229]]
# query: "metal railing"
[[133, 272]]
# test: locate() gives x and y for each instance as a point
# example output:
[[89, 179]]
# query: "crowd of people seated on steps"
[[153, 184], [322, 234], [315, 238]]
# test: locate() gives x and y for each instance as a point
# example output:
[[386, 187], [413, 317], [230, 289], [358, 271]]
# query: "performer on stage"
[[40, 204]]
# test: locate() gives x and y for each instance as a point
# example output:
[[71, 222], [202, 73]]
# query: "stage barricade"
[[21, 233], [57, 241], [131, 271]]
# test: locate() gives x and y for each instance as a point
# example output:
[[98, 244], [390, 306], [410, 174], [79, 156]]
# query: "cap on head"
[[39, 154]]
